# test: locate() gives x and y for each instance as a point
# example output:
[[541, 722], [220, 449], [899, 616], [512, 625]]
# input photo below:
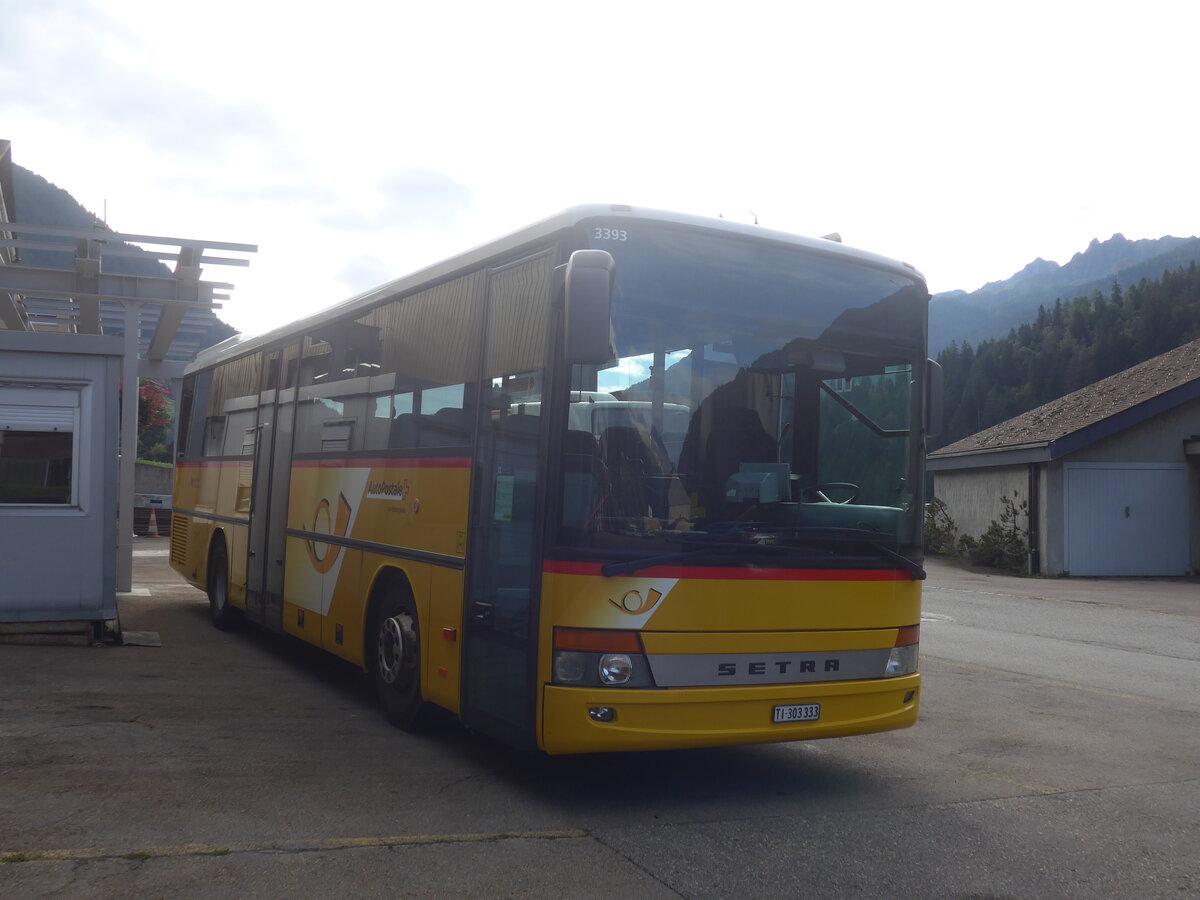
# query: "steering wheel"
[[819, 491]]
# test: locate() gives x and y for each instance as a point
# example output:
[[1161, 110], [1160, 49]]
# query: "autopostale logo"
[[332, 521]]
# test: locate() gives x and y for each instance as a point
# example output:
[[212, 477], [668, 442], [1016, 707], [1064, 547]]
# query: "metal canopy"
[[164, 317], [89, 293]]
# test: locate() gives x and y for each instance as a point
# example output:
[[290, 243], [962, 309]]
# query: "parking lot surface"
[[246, 765]]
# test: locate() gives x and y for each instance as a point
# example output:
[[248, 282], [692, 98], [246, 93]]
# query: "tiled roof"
[[1087, 406]]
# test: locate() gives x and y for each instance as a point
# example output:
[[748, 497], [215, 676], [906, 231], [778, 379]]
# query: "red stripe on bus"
[[717, 573], [429, 462]]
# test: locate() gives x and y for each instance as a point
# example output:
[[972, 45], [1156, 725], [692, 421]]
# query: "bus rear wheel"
[[396, 659], [224, 616]]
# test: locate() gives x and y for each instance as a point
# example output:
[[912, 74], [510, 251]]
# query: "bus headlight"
[[615, 668], [903, 658], [569, 666], [901, 661], [600, 658]]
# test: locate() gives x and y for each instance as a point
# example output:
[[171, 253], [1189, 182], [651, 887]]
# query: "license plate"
[[798, 712]]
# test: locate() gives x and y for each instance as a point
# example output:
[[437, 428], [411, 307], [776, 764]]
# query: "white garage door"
[[1126, 519]]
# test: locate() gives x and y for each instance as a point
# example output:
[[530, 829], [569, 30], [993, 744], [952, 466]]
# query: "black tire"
[[224, 616], [394, 652]]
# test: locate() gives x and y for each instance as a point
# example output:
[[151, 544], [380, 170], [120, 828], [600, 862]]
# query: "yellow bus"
[[622, 480]]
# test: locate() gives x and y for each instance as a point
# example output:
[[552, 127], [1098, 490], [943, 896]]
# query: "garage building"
[[1111, 473]]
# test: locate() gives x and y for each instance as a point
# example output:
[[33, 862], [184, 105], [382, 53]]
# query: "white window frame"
[[50, 408]]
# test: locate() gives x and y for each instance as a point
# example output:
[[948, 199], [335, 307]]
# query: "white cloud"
[[966, 139], [361, 273], [91, 72], [408, 200]]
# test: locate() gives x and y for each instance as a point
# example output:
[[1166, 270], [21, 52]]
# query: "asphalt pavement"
[[1178, 596], [196, 763]]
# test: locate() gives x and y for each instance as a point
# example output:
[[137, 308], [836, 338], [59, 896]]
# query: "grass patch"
[[222, 851], [19, 857], [137, 854]]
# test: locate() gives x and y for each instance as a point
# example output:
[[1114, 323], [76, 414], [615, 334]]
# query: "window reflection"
[[759, 393]]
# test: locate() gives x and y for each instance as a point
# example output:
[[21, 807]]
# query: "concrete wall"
[[149, 479], [1158, 440], [972, 496]]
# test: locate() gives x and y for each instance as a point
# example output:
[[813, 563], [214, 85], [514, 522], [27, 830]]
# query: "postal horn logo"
[[633, 603], [335, 524]]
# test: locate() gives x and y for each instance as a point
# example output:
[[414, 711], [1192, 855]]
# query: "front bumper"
[[658, 719]]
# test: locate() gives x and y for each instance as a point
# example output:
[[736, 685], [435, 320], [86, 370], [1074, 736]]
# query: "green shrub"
[[1005, 544], [939, 527]]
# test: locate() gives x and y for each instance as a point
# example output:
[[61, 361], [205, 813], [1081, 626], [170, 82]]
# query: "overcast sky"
[[354, 142]]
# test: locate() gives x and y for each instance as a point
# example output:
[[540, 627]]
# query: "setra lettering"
[[778, 667]]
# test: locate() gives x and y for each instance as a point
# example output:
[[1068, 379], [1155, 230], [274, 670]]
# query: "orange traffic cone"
[[153, 532]]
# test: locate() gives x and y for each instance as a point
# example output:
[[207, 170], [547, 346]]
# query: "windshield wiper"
[[822, 535], [911, 566], [860, 535], [870, 538]]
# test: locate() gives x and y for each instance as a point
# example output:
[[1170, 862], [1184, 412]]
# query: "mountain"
[[1068, 345], [38, 202], [999, 306]]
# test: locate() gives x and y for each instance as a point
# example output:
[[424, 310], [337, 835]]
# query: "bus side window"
[[232, 405], [378, 423], [403, 434], [448, 427], [192, 439], [421, 351], [214, 435], [402, 430]]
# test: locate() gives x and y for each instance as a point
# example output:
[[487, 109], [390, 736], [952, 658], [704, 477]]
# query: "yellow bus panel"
[[713, 717]]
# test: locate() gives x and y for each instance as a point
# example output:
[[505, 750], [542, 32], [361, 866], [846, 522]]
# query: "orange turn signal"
[[909, 634], [597, 641]]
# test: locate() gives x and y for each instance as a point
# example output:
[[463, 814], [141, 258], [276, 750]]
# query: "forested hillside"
[[38, 202], [991, 311], [1068, 347]]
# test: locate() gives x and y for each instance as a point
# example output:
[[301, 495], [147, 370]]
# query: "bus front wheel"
[[397, 659]]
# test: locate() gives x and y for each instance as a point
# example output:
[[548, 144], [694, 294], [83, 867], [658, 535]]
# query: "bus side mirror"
[[589, 282], [934, 393]]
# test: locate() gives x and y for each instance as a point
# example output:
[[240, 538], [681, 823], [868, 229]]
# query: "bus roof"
[[360, 303]]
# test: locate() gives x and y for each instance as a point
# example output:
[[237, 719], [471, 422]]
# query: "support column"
[[129, 419], [1035, 515]]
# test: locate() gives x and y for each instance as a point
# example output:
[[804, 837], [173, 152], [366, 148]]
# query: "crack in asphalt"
[[165, 852]]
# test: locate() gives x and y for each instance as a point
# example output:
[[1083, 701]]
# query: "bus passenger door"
[[268, 509], [503, 557]]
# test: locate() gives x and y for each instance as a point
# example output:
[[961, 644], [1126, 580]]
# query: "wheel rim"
[[397, 649]]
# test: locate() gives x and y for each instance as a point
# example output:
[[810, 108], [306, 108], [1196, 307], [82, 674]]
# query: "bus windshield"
[[762, 409]]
